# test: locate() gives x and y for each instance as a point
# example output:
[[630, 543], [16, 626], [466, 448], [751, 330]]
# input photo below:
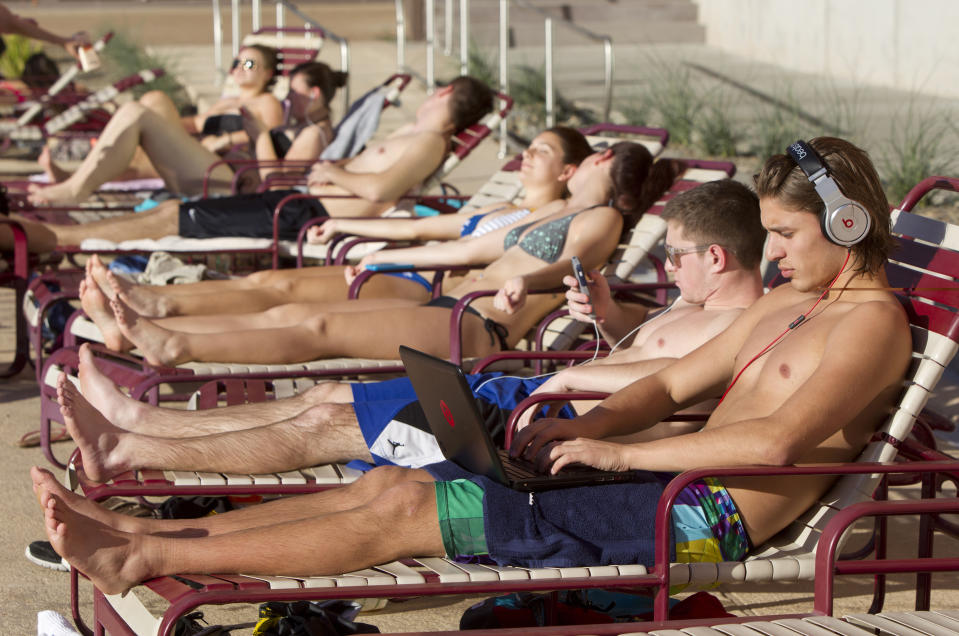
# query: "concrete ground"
[[27, 589]]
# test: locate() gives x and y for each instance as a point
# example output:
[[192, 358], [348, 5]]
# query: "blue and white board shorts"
[[395, 427]]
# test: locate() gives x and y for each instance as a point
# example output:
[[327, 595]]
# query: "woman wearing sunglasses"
[[150, 138]]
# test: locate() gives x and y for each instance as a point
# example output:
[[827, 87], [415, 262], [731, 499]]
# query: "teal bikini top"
[[545, 242]]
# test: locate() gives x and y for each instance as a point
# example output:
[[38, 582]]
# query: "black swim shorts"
[[247, 215]]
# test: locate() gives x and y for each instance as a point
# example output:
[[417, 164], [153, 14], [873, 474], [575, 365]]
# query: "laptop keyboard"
[[518, 468]]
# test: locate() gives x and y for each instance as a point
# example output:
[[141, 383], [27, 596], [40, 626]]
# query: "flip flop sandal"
[[32, 439]]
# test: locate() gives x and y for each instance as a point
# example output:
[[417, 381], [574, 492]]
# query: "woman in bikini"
[[608, 186], [167, 140], [547, 165]]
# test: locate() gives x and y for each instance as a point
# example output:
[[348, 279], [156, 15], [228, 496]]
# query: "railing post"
[[235, 26], [400, 37], [464, 37], [608, 50], [503, 67], [255, 18], [218, 42], [280, 16], [430, 45], [448, 28], [549, 88]]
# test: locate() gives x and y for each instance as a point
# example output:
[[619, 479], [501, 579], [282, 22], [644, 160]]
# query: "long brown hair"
[[638, 181]]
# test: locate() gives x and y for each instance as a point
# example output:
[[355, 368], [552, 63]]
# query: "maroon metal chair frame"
[[16, 278]]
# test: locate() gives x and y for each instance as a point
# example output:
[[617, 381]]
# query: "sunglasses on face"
[[674, 253], [247, 64]]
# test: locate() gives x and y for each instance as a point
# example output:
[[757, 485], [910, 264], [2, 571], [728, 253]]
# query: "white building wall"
[[910, 45]]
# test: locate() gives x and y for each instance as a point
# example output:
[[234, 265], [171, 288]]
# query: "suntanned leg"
[[356, 333], [139, 417], [323, 434], [287, 315], [115, 560], [180, 159], [161, 221], [55, 173], [40, 238], [370, 486]]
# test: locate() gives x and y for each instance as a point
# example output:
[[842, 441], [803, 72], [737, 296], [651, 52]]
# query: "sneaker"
[[43, 554]]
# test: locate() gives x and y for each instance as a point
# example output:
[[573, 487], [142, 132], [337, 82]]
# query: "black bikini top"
[[220, 124]]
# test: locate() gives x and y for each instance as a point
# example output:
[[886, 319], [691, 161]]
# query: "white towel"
[[49, 623]]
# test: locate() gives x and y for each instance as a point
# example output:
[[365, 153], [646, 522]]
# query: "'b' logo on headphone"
[[848, 222]]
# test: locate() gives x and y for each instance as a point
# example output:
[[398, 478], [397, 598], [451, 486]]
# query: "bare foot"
[[97, 307], [140, 298], [98, 439], [99, 271], [160, 346], [103, 394], [110, 558], [46, 486], [55, 173], [60, 194]]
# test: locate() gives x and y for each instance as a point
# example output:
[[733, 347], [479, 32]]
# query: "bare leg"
[[286, 315], [55, 173], [161, 221], [40, 239], [360, 492], [260, 291], [180, 159], [138, 417], [358, 333], [399, 522], [97, 308]]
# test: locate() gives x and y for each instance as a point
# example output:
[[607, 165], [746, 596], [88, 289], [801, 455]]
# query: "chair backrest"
[[925, 267]]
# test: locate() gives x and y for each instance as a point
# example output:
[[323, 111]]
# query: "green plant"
[[716, 133], [920, 145], [19, 48], [776, 125], [482, 66], [123, 56], [676, 101]]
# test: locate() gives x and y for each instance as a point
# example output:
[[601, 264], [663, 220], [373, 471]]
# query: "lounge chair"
[[924, 266]]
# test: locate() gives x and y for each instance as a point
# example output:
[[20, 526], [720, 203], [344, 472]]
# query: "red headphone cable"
[[795, 323]]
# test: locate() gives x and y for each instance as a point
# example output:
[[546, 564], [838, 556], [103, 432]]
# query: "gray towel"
[[356, 127]]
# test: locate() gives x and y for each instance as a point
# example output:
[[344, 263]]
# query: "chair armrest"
[[678, 483], [21, 255]]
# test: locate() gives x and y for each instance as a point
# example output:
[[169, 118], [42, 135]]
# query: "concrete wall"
[[905, 44]]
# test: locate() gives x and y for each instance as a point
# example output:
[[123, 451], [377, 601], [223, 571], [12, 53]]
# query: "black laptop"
[[455, 421]]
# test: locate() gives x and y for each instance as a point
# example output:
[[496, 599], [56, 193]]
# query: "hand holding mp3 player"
[[582, 282]]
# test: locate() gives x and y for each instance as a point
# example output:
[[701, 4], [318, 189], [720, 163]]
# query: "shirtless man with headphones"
[[806, 374]]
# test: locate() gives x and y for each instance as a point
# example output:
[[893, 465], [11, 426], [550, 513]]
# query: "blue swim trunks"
[[395, 427], [591, 525]]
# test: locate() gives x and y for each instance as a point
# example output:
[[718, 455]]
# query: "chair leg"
[[22, 351]]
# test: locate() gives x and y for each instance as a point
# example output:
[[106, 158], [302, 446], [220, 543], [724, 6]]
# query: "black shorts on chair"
[[247, 215]]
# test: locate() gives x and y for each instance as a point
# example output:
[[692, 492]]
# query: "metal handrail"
[[548, 20], [607, 54], [281, 7]]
